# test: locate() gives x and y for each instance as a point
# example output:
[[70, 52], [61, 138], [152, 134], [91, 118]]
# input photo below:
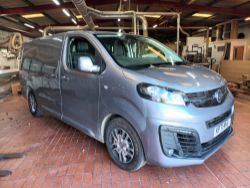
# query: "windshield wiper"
[[174, 63], [137, 66], [184, 62], [162, 64], [142, 66]]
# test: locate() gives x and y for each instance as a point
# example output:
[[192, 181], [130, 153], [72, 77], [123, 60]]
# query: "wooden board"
[[16, 88], [233, 70]]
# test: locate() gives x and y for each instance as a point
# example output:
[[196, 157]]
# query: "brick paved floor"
[[60, 156]]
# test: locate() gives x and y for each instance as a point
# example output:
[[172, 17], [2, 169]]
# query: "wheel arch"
[[28, 91], [106, 121]]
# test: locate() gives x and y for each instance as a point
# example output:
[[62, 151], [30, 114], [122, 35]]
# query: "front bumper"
[[199, 120]]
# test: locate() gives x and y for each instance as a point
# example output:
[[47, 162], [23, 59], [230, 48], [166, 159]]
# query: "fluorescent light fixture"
[[247, 18], [201, 30], [152, 16], [202, 15], [40, 30], [73, 20], [66, 12], [119, 19], [79, 16], [56, 2], [28, 25], [155, 26], [37, 15]]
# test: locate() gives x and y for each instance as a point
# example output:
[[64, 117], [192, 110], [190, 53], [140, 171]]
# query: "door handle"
[[53, 75], [64, 77]]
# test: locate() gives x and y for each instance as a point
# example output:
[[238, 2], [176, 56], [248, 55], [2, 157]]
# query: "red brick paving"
[[58, 155]]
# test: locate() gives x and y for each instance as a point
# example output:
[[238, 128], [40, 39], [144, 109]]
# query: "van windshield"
[[135, 51]]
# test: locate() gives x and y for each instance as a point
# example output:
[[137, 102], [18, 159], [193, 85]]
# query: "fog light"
[[170, 152]]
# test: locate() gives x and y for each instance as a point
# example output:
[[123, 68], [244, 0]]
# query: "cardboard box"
[[16, 88]]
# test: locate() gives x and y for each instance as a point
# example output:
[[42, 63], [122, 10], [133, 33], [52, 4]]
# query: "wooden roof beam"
[[179, 6]]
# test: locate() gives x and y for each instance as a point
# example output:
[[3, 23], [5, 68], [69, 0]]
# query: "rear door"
[[80, 90]]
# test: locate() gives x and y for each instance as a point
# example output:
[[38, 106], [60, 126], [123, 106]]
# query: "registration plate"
[[222, 127]]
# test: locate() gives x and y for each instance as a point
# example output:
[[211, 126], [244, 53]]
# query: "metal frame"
[[135, 15]]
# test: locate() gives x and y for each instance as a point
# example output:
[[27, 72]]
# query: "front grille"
[[208, 98], [206, 147], [188, 144], [218, 119]]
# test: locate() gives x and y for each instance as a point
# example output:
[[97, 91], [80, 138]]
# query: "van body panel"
[[185, 78], [77, 109], [117, 96], [43, 76]]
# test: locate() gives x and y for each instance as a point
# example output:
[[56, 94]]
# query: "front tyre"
[[33, 106], [124, 145]]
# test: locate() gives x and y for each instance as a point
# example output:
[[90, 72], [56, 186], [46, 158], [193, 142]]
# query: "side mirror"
[[85, 64]]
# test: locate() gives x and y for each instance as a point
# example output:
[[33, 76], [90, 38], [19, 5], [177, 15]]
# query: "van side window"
[[77, 48], [47, 69], [35, 66], [26, 64]]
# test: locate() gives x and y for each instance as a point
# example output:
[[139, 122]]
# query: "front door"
[[80, 90]]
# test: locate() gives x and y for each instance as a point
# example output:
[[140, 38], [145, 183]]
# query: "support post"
[[178, 34], [234, 29]]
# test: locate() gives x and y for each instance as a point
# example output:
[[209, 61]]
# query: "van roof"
[[80, 31], [62, 34], [88, 31]]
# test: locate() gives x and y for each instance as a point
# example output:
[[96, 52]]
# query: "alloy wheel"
[[122, 145]]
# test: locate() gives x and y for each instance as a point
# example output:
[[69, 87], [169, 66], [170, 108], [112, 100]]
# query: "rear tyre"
[[33, 105], [124, 145]]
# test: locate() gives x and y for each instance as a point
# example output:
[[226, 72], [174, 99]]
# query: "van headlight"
[[161, 94]]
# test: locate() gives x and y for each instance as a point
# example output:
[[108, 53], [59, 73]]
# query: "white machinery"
[[10, 45]]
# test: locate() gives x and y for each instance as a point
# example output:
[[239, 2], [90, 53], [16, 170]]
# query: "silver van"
[[130, 92]]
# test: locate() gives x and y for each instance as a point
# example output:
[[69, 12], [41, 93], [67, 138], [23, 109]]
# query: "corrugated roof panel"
[[12, 4]]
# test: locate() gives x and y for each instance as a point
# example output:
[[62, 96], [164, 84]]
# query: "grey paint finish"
[[43, 76], [87, 100], [185, 78]]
